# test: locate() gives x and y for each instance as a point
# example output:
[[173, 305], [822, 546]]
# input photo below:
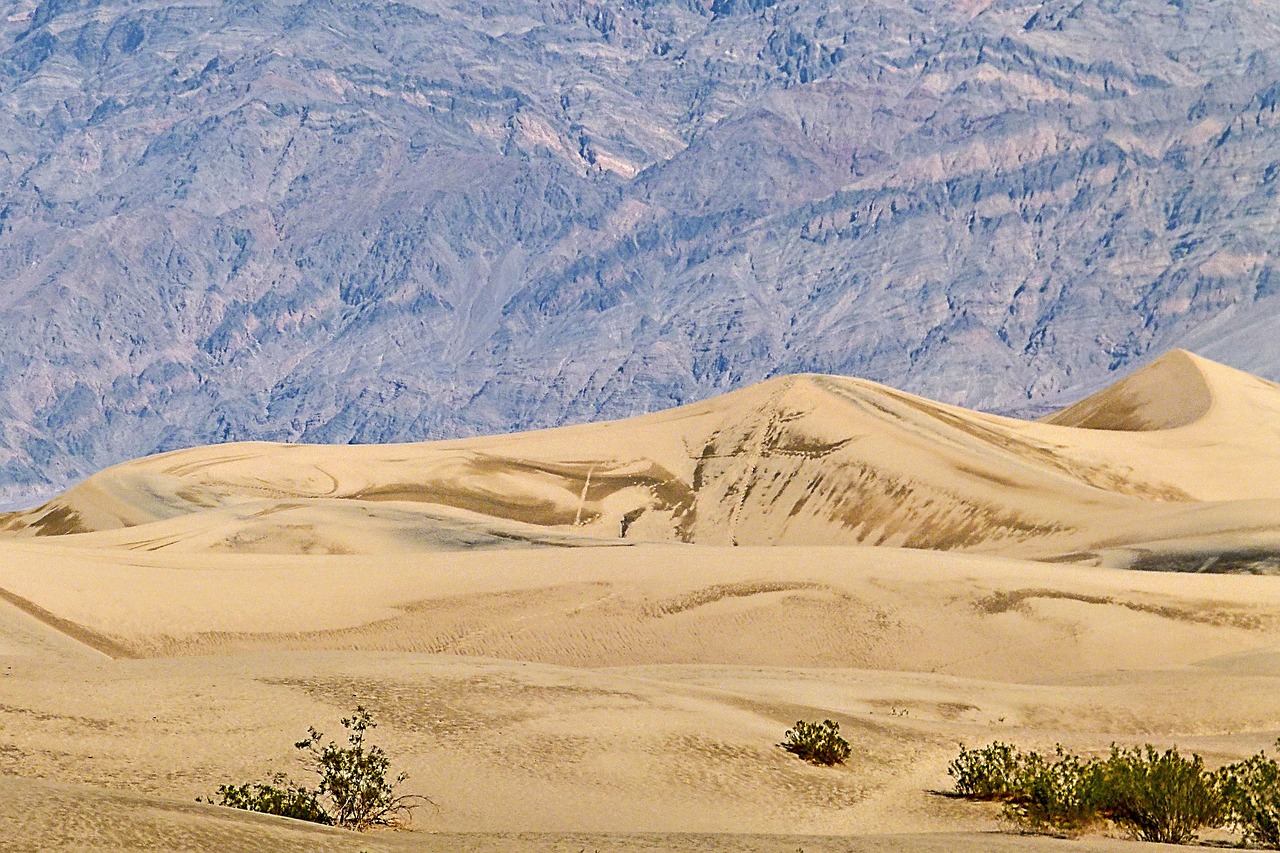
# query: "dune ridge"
[[1174, 391], [801, 460]]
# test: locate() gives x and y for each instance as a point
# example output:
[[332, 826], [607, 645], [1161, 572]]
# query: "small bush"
[[354, 777], [278, 797], [1251, 795], [819, 743], [353, 789], [987, 773], [1160, 796], [1058, 797]]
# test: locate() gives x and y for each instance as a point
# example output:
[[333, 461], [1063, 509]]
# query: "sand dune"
[[1183, 450], [594, 637], [875, 608]]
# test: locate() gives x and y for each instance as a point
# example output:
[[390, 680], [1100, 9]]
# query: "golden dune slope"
[[1177, 463]]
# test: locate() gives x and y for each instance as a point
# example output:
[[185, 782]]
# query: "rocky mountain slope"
[[330, 220]]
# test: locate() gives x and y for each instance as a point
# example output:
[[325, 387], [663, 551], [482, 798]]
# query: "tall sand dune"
[[1185, 449], [594, 637]]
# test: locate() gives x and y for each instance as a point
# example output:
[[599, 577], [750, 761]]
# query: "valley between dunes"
[[594, 637]]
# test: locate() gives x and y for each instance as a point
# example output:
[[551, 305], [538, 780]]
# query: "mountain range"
[[342, 221]]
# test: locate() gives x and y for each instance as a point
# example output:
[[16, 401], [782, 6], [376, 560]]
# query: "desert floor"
[[599, 699]]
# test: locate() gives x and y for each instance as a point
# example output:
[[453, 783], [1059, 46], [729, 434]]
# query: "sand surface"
[[82, 818], [551, 684], [1180, 461]]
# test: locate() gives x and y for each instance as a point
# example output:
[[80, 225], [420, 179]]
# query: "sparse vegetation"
[[280, 796], [987, 773], [818, 743], [1155, 796], [353, 790], [1160, 796], [1251, 795], [1058, 796]]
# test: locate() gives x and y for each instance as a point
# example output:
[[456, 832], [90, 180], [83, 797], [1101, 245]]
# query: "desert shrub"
[[353, 790], [1062, 796], [986, 773], [278, 797], [353, 778], [1251, 795], [1160, 796], [819, 743], [1155, 796]]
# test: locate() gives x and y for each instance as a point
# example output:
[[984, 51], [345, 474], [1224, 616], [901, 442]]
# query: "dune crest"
[[1183, 449], [1173, 391]]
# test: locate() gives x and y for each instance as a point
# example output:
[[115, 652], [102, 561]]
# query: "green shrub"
[[353, 789], [1154, 796], [987, 773], [354, 777], [278, 797], [1251, 794], [1058, 797], [1160, 796], [819, 743]]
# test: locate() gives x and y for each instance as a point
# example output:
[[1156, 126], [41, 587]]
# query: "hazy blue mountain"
[[357, 221]]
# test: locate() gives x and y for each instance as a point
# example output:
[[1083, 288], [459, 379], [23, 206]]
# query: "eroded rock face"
[[345, 221]]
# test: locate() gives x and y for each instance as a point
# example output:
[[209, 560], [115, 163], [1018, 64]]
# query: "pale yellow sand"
[[1182, 459], [535, 672], [82, 818], [645, 692]]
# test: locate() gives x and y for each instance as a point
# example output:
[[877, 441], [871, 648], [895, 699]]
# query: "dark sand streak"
[[79, 633]]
